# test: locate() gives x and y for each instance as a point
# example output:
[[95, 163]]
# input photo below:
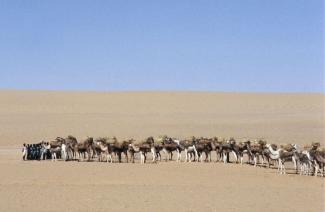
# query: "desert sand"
[[32, 116]]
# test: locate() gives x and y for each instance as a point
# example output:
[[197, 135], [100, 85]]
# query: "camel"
[[242, 148], [282, 156], [55, 148], [142, 148], [318, 159], [85, 147], [133, 148], [70, 142], [55, 152], [119, 148], [104, 148], [204, 145], [226, 148], [319, 162], [153, 148], [256, 150], [158, 149], [169, 145], [218, 148], [303, 162], [189, 148], [57, 142]]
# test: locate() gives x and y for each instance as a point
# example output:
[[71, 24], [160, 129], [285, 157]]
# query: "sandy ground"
[[31, 116]]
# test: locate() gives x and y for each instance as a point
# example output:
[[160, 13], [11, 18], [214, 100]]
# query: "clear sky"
[[217, 45]]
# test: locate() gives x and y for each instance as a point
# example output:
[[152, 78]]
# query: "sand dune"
[[31, 116]]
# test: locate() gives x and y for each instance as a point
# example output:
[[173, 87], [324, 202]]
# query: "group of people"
[[39, 151]]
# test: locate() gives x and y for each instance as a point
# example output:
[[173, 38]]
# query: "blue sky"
[[219, 45]]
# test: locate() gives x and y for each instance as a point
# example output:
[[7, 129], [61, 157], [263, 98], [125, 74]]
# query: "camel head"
[[130, 141], [247, 142], [315, 145], [231, 141], [150, 140], [89, 141], [295, 147], [215, 139], [261, 142]]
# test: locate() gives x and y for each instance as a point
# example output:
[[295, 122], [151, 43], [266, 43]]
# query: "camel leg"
[[126, 156], [153, 155], [189, 157], [306, 168], [316, 170], [255, 160], [119, 157], [220, 156], [166, 154], [196, 155], [206, 157], [283, 171], [224, 158], [185, 155], [142, 157], [132, 157], [262, 156], [294, 164], [284, 168], [235, 155], [158, 156]]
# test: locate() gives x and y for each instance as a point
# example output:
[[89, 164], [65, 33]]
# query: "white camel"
[[106, 151], [136, 148], [189, 151], [275, 155]]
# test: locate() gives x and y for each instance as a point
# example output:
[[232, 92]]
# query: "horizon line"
[[159, 91]]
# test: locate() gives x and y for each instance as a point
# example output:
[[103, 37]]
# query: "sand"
[[32, 116]]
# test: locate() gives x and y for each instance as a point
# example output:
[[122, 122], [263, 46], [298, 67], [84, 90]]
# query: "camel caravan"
[[309, 160]]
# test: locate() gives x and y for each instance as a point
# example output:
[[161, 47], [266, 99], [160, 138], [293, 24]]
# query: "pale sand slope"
[[29, 116], [166, 186]]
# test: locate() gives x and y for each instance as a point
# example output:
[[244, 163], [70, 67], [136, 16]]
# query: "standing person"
[[24, 150]]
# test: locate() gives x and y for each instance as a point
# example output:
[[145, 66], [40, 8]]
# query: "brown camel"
[[87, 146]]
